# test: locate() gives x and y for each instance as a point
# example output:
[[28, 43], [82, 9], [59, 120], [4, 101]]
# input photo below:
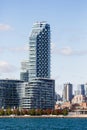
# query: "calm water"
[[43, 124]]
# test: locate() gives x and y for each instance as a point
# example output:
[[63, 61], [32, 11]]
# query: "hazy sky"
[[68, 21]]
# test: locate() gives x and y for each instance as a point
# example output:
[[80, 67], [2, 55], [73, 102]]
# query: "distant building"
[[57, 97], [80, 90], [86, 89], [62, 105], [67, 92], [66, 105], [78, 99]]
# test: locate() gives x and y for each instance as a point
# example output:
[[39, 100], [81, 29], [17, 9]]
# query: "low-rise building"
[[39, 94], [78, 99], [11, 93]]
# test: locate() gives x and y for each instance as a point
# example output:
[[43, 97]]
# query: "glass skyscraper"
[[40, 92], [39, 51], [40, 88]]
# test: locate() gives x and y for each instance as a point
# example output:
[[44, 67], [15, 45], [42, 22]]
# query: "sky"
[[68, 22]]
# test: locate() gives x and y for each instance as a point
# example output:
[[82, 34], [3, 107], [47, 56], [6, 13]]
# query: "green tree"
[[2, 112], [39, 112], [65, 112], [48, 111], [8, 111], [32, 112], [57, 112], [16, 112], [24, 112]]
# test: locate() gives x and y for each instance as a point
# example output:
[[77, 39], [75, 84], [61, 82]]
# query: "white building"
[[67, 92]]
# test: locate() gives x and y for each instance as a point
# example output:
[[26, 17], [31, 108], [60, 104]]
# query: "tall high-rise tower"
[[39, 51], [40, 91], [67, 92]]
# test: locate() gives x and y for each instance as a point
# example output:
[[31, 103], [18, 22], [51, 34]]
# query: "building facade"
[[81, 89], [39, 94], [57, 97], [86, 89], [39, 51], [11, 93], [79, 99], [24, 74], [67, 92]]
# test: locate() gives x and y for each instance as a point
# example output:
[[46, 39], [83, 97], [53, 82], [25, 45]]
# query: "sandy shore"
[[47, 116]]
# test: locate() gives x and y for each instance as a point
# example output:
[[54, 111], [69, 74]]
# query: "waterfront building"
[[11, 93], [39, 94], [39, 51], [67, 92]]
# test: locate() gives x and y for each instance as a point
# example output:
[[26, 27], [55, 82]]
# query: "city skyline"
[[68, 37]]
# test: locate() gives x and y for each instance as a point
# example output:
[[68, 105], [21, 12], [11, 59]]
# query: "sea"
[[43, 123]]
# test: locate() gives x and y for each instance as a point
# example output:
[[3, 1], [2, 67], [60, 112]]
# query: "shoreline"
[[46, 116]]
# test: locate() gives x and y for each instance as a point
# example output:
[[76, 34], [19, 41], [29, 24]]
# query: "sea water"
[[43, 123]]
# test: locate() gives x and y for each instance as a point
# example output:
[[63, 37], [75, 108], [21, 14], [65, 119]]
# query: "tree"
[[65, 112], [8, 111], [39, 112], [16, 112], [2, 112], [32, 112]]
